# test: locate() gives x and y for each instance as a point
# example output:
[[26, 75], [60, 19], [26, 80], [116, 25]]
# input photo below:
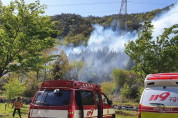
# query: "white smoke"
[[103, 53], [102, 38], [108, 38], [105, 49], [165, 20]]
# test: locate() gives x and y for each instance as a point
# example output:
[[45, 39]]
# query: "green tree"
[[126, 91], [125, 79], [46, 72], [24, 33], [61, 67], [155, 55], [130, 92], [76, 67], [108, 87], [31, 83], [13, 88], [130, 64], [120, 77]]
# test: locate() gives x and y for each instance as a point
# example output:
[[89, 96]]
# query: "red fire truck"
[[70, 99]]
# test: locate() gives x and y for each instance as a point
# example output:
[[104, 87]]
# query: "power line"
[[146, 3], [80, 4], [103, 3]]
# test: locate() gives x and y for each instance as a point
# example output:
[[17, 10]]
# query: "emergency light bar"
[[162, 76], [69, 84], [161, 79]]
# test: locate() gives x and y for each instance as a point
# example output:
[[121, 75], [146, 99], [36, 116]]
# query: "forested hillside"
[[76, 29]]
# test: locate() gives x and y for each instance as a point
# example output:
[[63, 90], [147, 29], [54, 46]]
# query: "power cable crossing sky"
[[99, 7]]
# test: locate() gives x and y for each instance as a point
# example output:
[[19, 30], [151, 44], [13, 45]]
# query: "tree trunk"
[[37, 75], [1, 73]]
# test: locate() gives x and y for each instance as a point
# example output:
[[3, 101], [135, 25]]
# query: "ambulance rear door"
[[159, 102]]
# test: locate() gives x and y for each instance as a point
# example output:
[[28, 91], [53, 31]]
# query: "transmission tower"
[[123, 11]]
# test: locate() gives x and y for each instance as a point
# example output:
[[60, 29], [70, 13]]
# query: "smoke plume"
[[165, 20], [105, 49]]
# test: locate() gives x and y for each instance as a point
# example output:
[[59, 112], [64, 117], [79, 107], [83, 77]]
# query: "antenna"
[[123, 11]]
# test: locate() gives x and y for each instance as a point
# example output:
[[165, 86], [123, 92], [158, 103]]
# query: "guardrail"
[[126, 107]]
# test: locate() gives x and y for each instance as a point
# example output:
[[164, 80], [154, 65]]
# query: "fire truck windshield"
[[50, 98]]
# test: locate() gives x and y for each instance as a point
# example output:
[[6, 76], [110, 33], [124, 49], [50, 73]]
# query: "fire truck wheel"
[[113, 116]]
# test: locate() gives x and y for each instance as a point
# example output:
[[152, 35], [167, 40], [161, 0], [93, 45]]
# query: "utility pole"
[[123, 11]]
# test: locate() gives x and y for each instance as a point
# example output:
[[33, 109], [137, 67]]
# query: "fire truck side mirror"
[[37, 102]]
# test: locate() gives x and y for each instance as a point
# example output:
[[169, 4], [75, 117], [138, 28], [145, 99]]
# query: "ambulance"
[[160, 96], [70, 99]]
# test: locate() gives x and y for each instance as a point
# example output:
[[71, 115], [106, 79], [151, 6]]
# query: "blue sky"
[[99, 7]]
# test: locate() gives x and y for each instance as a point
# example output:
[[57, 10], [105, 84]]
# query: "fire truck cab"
[[160, 96], [70, 99]]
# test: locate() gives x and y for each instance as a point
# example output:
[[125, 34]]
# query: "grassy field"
[[126, 114], [9, 110]]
